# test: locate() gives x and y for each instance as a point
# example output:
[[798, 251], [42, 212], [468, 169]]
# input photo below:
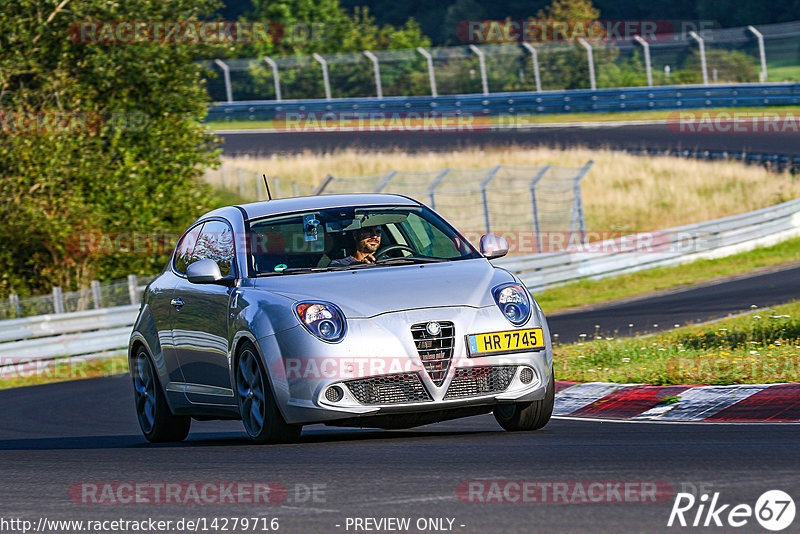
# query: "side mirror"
[[493, 246], [204, 272]]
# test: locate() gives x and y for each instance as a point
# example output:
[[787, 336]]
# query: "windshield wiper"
[[410, 259]]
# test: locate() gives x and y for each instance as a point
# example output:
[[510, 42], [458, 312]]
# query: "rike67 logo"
[[774, 510]]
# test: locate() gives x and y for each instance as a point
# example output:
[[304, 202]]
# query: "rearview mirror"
[[493, 246], [204, 272]]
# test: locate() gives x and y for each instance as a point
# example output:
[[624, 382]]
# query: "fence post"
[[703, 65], [295, 189], [435, 184], [577, 212], [385, 181], [58, 300], [277, 182], [482, 63], [325, 80], [241, 182], [762, 76], [321, 187], [13, 299], [377, 69], [532, 187], [590, 58], [484, 185], [647, 65], [132, 288], [97, 296], [226, 74], [431, 74], [535, 60], [269, 61]]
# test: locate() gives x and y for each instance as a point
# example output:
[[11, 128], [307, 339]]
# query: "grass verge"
[[64, 370], [761, 347], [507, 120], [587, 292]]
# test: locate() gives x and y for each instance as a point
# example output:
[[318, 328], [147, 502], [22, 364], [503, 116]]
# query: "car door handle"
[[178, 303]]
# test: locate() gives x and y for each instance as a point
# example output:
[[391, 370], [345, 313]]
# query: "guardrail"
[[716, 238], [33, 343], [515, 104]]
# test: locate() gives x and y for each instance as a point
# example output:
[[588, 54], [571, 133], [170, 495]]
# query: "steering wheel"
[[391, 248]]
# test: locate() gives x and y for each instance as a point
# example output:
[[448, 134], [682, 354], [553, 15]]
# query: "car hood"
[[368, 292]]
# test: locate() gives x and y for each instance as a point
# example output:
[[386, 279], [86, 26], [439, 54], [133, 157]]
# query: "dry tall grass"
[[622, 192]]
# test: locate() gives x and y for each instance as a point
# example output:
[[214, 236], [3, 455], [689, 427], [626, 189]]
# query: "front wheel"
[[531, 415], [260, 415], [157, 422]]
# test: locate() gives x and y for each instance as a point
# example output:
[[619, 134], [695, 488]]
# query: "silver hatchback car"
[[349, 310]]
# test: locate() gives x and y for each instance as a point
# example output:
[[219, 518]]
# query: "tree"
[[72, 199]]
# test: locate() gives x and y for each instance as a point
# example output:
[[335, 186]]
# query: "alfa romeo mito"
[[350, 310]]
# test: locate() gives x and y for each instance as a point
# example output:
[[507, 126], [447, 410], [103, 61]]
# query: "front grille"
[[475, 381], [435, 351], [389, 389]]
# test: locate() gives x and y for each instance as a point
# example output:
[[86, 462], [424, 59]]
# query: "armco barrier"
[[103, 332], [715, 238], [672, 97]]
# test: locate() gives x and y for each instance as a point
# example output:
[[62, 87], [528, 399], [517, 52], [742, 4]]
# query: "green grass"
[[549, 118], [761, 347], [587, 292], [783, 74], [63, 370]]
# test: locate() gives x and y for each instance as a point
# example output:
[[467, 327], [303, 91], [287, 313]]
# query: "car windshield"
[[323, 240]]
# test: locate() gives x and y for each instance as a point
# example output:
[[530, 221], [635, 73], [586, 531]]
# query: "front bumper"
[[376, 369]]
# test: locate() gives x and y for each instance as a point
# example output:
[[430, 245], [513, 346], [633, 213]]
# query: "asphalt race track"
[[56, 437], [653, 134]]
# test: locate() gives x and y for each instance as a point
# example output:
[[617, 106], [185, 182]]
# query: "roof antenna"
[[266, 183]]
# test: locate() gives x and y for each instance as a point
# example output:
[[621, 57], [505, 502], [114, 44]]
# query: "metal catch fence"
[[109, 295], [538, 199], [707, 56]]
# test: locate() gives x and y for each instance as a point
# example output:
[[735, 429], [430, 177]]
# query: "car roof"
[[264, 208]]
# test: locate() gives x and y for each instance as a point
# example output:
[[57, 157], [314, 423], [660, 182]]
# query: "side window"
[[184, 253], [216, 243]]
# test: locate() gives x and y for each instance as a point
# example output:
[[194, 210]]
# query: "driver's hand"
[[369, 258]]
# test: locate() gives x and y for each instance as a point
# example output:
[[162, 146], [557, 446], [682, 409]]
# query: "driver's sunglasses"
[[369, 232]]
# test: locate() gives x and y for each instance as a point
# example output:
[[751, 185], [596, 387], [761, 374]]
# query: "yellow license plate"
[[509, 341]]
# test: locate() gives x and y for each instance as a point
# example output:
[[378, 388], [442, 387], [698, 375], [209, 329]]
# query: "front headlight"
[[512, 299], [322, 319]]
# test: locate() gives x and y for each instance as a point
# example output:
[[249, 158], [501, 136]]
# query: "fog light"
[[334, 394], [526, 375]]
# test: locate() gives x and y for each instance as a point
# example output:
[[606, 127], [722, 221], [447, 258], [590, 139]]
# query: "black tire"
[[157, 422], [523, 416], [260, 415]]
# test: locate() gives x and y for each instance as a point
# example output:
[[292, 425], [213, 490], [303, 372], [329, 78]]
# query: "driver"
[[367, 240]]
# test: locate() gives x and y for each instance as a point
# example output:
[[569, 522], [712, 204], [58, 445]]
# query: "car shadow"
[[227, 439]]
